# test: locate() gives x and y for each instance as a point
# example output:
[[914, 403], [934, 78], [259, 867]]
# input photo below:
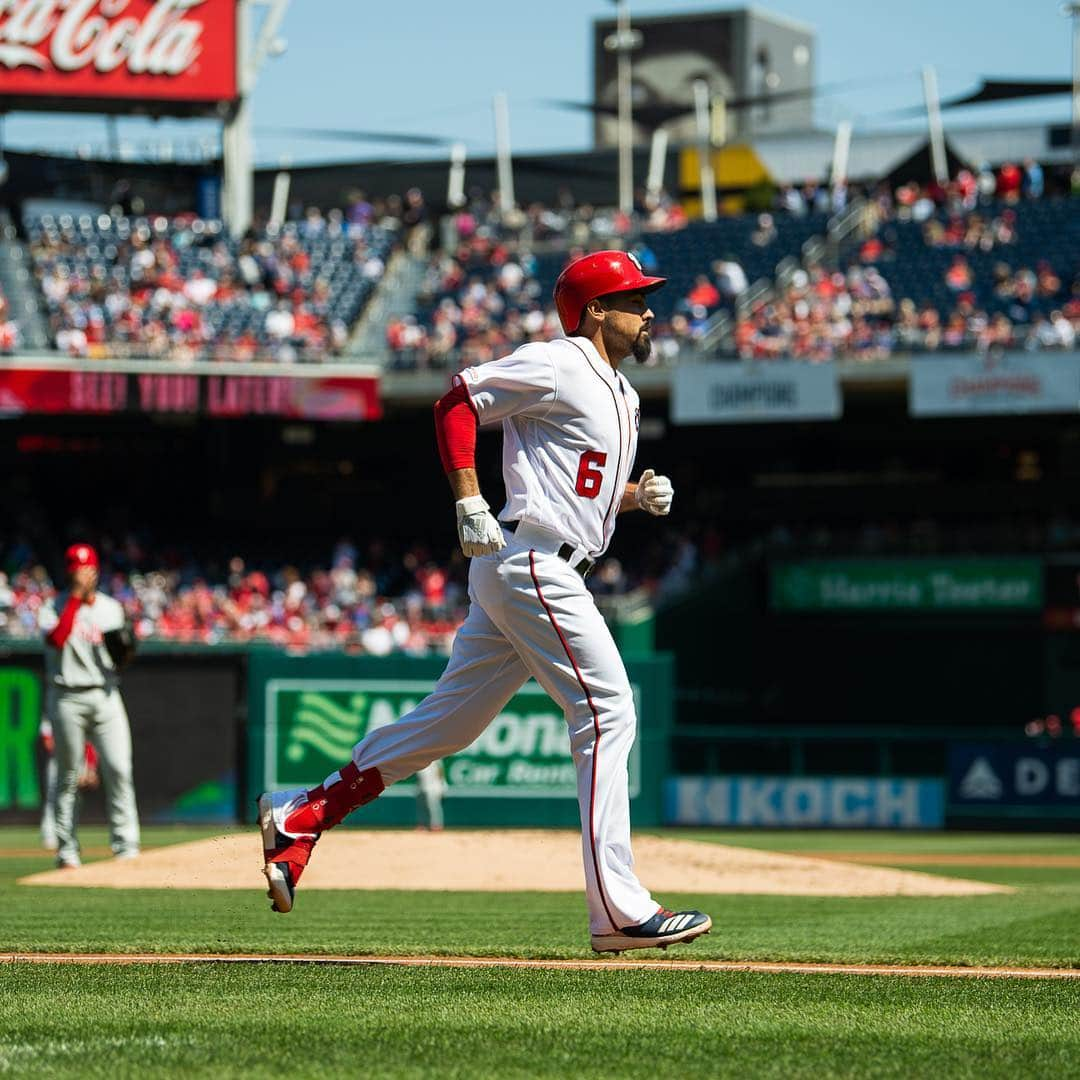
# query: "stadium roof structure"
[[996, 92], [795, 158]]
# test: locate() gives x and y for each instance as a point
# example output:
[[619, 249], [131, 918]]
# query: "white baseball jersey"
[[83, 661], [570, 430]]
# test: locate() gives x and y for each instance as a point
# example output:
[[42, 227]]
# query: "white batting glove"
[[654, 493], [478, 531]]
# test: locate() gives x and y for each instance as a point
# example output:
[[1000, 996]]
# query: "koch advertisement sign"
[[976, 385], [754, 393], [1012, 776], [804, 802], [312, 725], [138, 50]]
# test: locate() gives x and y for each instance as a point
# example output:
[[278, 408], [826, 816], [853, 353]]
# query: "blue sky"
[[430, 67]]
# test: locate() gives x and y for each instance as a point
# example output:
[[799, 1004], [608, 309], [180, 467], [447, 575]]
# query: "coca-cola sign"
[[152, 50]]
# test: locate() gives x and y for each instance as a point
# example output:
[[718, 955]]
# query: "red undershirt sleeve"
[[456, 422], [62, 630]]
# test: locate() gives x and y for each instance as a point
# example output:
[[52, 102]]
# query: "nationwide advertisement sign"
[[125, 50], [871, 585], [804, 802], [754, 393], [983, 385], [105, 392], [1015, 778], [313, 723]]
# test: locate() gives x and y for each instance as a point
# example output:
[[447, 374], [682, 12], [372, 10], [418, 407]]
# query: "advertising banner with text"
[[119, 50], [981, 385], [301, 397], [305, 714], [808, 802], [1015, 779], [907, 585], [312, 725], [754, 393]]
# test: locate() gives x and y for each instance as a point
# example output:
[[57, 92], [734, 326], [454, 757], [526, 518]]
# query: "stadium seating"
[[476, 304], [183, 288], [1045, 232], [951, 278]]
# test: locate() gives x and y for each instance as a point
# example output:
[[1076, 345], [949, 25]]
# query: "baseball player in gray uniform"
[[569, 420], [82, 701]]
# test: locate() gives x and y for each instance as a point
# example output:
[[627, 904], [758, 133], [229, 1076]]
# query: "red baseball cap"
[[79, 555], [598, 274]]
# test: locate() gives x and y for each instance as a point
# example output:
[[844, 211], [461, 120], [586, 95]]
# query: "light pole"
[[503, 161], [1073, 9], [238, 195], [622, 43]]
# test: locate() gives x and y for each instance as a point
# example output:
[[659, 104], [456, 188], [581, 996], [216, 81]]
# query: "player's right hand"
[[478, 531], [84, 581]]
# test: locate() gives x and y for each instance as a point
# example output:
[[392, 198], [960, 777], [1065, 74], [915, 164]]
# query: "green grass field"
[[295, 1020]]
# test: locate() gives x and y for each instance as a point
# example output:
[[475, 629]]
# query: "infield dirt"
[[504, 861]]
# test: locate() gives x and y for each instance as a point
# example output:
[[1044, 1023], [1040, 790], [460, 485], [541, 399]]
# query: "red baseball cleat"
[[292, 822], [286, 853]]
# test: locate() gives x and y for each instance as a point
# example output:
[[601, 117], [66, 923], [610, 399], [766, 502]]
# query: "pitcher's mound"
[[502, 861]]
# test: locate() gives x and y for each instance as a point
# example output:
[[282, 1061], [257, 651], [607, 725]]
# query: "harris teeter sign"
[[312, 725], [907, 585]]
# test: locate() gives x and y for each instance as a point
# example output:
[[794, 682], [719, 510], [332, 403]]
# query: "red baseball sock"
[[329, 806]]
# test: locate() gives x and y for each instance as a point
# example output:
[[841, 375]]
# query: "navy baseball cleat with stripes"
[[663, 929]]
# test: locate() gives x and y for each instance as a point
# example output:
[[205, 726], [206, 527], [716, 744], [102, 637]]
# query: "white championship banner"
[[756, 392], [1015, 382]]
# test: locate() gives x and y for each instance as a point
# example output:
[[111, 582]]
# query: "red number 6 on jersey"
[[589, 476]]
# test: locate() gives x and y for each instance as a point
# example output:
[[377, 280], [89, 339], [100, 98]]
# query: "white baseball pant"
[[429, 794], [99, 715], [48, 804], [531, 614]]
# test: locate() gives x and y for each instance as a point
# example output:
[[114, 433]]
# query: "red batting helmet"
[[595, 275], [79, 555]]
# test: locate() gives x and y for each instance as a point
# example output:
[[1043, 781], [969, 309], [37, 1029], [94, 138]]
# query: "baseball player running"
[[83, 702], [570, 421]]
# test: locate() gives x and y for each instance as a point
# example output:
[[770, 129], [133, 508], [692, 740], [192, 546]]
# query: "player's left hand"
[[654, 493]]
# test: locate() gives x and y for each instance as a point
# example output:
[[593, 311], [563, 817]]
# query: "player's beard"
[[642, 347]]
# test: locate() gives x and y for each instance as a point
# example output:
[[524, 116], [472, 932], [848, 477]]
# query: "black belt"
[[584, 566]]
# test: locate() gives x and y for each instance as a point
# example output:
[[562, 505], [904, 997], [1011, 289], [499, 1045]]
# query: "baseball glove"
[[120, 645]]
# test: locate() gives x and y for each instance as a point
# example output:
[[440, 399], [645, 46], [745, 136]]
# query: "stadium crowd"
[[931, 290], [181, 289], [9, 329], [487, 288], [483, 295], [377, 601]]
